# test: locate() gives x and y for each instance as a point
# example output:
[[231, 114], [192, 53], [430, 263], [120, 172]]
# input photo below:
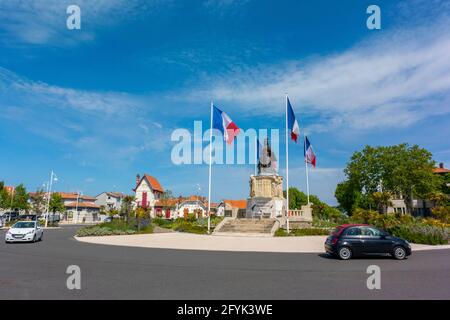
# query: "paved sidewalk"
[[186, 241]]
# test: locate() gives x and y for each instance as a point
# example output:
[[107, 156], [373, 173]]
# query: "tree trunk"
[[409, 203]]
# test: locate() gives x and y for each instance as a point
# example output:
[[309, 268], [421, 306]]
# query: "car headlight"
[[30, 232]]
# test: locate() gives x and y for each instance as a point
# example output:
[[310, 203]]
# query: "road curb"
[[311, 244]]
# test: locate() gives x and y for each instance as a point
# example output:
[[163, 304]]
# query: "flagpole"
[[210, 167], [48, 199], [287, 168], [306, 168], [256, 155]]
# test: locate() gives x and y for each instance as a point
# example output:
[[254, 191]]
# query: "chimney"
[[138, 178], [441, 165]]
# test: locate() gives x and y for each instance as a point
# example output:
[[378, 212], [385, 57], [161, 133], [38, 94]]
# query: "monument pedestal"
[[266, 197]]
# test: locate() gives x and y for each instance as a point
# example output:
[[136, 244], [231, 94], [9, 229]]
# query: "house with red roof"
[[79, 208], [232, 208], [182, 207], [147, 191]]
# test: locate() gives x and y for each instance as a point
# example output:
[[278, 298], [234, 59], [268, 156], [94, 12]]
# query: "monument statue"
[[266, 188], [267, 164]]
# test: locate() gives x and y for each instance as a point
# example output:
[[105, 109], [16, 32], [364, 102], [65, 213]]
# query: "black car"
[[353, 240]]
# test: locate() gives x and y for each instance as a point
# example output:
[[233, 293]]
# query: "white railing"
[[296, 213]]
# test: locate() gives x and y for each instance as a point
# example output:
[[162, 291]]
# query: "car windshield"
[[23, 225]]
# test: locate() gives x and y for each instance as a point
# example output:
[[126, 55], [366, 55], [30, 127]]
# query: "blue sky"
[[98, 105]]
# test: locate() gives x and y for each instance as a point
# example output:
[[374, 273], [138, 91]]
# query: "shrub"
[[418, 233], [115, 227], [383, 221], [324, 211], [365, 216], [97, 231], [191, 217], [214, 221], [147, 229], [281, 233], [50, 224], [163, 223], [441, 213], [182, 225], [433, 222], [320, 223]]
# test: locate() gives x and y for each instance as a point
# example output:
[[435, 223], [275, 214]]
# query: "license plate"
[[18, 236]]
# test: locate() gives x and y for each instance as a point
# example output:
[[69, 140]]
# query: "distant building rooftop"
[[441, 169]]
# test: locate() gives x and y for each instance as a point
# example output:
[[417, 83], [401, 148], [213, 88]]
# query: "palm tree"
[[382, 200], [127, 206]]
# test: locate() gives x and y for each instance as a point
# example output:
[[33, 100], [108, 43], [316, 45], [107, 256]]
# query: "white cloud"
[[44, 21], [94, 126], [391, 80]]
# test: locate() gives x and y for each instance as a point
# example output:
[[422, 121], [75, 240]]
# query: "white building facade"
[[189, 207], [110, 200], [148, 190]]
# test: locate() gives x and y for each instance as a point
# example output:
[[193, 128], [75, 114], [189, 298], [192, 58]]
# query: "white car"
[[24, 231]]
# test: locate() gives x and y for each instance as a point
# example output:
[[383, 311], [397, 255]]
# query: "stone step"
[[228, 227], [250, 226]]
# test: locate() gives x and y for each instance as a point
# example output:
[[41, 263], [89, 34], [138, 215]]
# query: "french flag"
[[294, 128], [310, 156], [223, 123]]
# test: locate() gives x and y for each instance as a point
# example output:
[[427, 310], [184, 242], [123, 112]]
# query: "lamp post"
[[52, 178], [76, 208]]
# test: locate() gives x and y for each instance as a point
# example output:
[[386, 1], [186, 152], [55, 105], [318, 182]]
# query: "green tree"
[[348, 196], [39, 203], [399, 169], [409, 170], [20, 198], [56, 203], [5, 198], [297, 199], [141, 213], [445, 188], [127, 207], [382, 201]]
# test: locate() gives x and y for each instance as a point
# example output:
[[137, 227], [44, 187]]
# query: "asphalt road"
[[38, 271]]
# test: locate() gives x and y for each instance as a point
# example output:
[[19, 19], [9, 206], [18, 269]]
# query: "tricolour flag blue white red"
[[293, 126], [310, 156], [223, 123]]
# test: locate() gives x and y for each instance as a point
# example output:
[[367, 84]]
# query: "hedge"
[[421, 234]]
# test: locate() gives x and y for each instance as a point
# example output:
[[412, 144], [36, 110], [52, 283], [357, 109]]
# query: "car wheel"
[[345, 253], [399, 253], [34, 239], [42, 235]]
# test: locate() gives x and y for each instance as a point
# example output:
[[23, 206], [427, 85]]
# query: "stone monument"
[[266, 188]]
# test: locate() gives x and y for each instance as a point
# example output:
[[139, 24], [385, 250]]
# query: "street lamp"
[[76, 207], [53, 177]]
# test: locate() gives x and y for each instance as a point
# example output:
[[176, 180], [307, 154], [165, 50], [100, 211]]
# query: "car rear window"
[[337, 231]]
